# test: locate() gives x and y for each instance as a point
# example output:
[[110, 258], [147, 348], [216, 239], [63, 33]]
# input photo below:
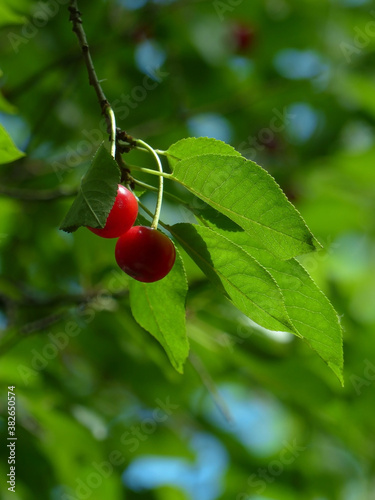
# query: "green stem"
[[168, 195], [136, 147], [112, 118], [159, 202], [158, 151], [149, 171], [145, 209], [148, 212], [144, 185]]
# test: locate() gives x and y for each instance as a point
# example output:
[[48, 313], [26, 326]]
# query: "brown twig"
[[75, 18], [116, 134]]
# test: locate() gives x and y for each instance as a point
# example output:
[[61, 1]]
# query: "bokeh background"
[[256, 415]]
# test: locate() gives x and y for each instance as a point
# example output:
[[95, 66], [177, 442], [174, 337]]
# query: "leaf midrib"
[[89, 206]]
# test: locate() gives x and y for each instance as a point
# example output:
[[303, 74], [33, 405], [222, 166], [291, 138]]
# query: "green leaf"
[[312, 315], [8, 151], [248, 195], [97, 194], [196, 146], [160, 309], [248, 284]]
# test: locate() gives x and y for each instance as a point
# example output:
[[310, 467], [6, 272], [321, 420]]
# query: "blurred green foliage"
[[100, 413]]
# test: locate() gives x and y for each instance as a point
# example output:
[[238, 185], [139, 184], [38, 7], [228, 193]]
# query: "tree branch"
[[75, 18], [17, 334], [31, 195]]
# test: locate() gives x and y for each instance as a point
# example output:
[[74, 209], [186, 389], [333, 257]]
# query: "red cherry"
[[145, 254], [122, 215]]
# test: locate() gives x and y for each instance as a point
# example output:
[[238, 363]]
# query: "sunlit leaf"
[[311, 314], [249, 285], [160, 309], [248, 195]]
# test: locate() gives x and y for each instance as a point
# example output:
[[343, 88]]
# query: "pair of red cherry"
[[143, 253]]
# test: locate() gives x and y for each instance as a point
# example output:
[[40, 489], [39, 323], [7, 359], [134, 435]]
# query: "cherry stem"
[[168, 195], [112, 118], [149, 171], [155, 221], [148, 212], [158, 151]]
